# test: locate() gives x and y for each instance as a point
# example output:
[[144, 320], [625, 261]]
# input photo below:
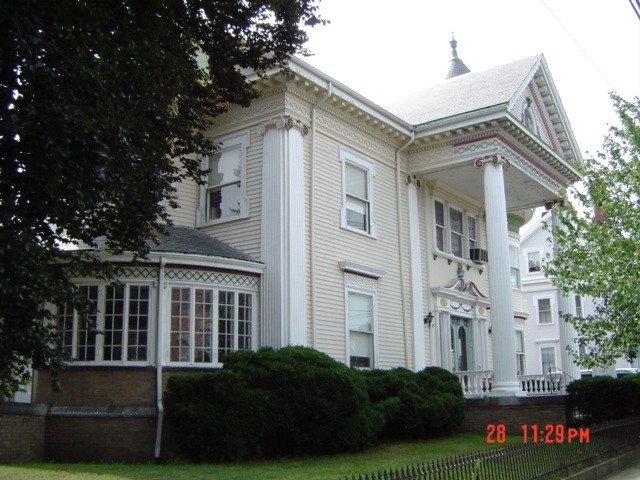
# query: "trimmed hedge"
[[424, 404], [600, 399], [297, 400], [269, 402]]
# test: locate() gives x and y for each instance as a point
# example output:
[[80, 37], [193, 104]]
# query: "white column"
[[503, 336], [283, 235], [415, 256], [444, 324]]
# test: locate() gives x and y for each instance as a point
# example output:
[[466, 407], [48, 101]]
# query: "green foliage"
[[600, 399], [264, 403], [102, 112], [424, 404], [597, 243]]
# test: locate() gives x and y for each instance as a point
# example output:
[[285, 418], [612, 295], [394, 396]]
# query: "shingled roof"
[[191, 241], [466, 93]]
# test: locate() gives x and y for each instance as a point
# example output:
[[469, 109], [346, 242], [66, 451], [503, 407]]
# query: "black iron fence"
[[551, 457]]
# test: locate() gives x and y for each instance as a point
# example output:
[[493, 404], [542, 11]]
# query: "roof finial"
[[453, 44]]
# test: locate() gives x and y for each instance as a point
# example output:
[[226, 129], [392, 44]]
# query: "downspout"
[[312, 296], [159, 352], [401, 242]]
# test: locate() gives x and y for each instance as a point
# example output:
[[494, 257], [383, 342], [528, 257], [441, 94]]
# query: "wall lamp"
[[428, 319]]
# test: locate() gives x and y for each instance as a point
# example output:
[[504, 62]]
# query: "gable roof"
[[466, 93]]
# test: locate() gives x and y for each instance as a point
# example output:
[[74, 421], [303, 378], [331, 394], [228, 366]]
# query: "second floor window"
[[456, 232], [534, 262], [357, 180], [545, 316], [223, 196]]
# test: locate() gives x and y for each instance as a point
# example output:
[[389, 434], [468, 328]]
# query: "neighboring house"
[[546, 334], [383, 238]]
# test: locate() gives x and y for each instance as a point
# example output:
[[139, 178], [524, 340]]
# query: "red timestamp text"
[[549, 433]]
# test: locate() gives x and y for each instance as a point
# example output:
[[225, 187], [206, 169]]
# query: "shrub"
[[600, 399], [268, 402], [425, 404]]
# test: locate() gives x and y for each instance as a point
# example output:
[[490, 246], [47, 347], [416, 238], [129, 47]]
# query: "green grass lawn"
[[334, 467]]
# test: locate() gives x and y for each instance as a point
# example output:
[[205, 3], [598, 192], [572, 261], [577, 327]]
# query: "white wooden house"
[[382, 237]]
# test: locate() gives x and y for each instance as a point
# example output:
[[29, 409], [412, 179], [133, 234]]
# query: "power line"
[[580, 46], [636, 7]]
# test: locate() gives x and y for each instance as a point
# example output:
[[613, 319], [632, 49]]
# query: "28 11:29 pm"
[[558, 433]]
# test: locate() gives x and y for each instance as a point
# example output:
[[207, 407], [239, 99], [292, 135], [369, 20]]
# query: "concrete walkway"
[[631, 473]]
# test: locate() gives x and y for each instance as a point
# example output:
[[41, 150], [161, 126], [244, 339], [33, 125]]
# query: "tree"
[[598, 244], [102, 111]]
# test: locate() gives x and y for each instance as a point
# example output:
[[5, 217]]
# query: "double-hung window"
[[360, 320], [514, 263], [223, 196], [456, 232], [548, 358], [357, 179], [545, 316], [534, 261], [520, 359], [207, 324], [121, 317]]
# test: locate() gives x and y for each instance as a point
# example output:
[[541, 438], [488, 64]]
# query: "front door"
[[460, 344]]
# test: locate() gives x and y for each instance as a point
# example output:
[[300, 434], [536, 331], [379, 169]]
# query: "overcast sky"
[[387, 49]]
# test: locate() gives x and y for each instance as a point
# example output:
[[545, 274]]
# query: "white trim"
[[360, 269], [525, 253], [350, 156]]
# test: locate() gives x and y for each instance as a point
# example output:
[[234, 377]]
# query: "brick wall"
[[514, 412], [99, 386], [81, 438], [22, 431]]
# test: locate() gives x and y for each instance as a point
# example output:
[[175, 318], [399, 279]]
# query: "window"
[[520, 360], [357, 210], [548, 358], [223, 195], [456, 232], [122, 318], [206, 324], [534, 263], [515, 266], [360, 323], [545, 316], [578, 302]]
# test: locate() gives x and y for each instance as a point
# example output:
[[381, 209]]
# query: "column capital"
[[495, 159], [283, 121]]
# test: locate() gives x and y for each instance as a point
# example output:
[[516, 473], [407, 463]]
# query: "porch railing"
[[475, 382], [550, 384]]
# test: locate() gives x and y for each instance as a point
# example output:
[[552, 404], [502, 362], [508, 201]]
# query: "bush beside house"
[[298, 400], [601, 399]]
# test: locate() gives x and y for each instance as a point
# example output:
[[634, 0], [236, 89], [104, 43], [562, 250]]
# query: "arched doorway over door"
[[461, 344]]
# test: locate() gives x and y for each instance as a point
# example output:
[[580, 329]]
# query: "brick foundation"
[[22, 432], [513, 412]]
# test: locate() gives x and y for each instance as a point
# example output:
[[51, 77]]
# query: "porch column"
[[416, 279], [503, 336], [444, 334]]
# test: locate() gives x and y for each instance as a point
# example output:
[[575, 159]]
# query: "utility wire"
[[636, 7], [580, 46]]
